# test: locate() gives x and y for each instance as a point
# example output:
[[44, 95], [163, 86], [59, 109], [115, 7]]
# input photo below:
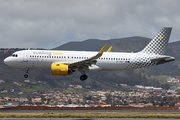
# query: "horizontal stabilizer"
[[164, 59], [158, 59]]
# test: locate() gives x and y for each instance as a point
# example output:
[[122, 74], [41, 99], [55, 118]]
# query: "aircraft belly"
[[113, 66], [40, 65]]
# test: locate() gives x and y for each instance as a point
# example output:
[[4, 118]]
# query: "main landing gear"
[[83, 76], [26, 75]]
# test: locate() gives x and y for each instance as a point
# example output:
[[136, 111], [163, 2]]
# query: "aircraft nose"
[[6, 61]]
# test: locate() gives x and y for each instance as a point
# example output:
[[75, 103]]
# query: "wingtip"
[[103, 49], [109, 50]]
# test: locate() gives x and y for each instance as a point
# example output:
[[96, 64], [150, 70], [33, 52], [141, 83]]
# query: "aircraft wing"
[[89, 61]]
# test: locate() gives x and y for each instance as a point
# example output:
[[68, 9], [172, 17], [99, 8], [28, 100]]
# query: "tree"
[[43, 99], [29, 99], [69, 101], [48, 100]]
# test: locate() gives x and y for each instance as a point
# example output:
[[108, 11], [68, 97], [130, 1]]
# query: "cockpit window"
[[14, 55]]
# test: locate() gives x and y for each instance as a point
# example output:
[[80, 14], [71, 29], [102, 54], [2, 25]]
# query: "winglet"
[[109, 50], [102, 50]]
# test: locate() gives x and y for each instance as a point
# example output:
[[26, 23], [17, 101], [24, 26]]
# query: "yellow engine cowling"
[[60, 69]]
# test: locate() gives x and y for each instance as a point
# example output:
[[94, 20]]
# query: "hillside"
[[119, 45], [97, 80]]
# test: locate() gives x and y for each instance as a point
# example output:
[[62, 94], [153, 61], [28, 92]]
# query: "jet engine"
[[60, 69]]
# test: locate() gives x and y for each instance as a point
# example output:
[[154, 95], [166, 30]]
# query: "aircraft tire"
[[83, 77], [25, 76]]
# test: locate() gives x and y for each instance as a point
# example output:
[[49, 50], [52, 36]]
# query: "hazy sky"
[[50, 23]]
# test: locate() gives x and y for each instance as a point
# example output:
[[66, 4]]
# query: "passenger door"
[[25, 56]]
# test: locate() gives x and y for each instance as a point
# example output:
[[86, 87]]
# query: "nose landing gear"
[[26, 75]]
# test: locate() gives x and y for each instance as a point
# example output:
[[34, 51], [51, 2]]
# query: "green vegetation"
[[84, 114]]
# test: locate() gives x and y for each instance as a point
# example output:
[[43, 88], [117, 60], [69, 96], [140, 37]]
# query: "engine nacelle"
[[60, 69]]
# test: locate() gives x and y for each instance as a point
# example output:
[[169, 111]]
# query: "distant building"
[[1, 51], [34, 83], [148, 87], [1, 81], [139, 86], [123, 84], [20, 93], [10, 104], [177, 105], [12, 90], [27, 81], [157, 88], [8, 51], [4, 91], [76, 86]]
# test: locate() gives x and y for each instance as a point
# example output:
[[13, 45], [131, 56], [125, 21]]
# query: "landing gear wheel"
[[25, 76], [83, 77]]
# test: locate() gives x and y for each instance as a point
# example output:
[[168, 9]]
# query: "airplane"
[[63, 63]]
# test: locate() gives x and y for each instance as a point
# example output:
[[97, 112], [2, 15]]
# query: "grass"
[[92, 115], [160, 78]]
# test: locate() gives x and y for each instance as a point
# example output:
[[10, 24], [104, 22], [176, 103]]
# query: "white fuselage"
[[109, 61], [42, 59]]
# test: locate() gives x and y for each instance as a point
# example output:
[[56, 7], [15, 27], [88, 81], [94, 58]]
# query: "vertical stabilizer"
[[159, 43]]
